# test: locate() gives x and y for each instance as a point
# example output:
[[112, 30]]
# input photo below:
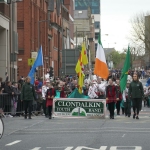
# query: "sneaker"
[[137, 117], [50, 117], [10, 116]]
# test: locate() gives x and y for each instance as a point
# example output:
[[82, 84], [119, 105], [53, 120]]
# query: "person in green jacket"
[[136, 93], [27, 96]]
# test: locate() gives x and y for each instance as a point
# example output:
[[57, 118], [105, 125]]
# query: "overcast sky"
[[115, 16]]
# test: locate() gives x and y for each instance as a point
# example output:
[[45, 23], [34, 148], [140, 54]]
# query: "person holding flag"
[[83, 60], [38, 62]]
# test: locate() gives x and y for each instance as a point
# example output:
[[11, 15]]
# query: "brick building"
[[30, 12]]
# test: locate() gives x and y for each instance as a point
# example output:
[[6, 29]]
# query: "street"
[[41, 133], [69, 134]]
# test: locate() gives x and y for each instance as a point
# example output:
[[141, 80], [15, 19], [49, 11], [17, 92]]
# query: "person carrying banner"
[[50, 94], [136, 93], [111, 97]]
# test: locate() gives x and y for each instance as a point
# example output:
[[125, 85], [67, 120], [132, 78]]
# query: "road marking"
[[66, 148], [125, 148], [103, 147], [36, 148], [87, 148], [69, 148], [124, 135], [15, 142]]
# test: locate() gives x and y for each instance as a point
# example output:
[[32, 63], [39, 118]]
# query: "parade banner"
[[77, 107]]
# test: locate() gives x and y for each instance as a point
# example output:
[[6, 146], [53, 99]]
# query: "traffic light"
[[51, 72]]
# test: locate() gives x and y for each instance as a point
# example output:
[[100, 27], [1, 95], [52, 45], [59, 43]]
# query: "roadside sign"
[[79, 107], [31, 61]]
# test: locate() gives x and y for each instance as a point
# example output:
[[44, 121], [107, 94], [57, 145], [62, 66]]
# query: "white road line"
[[124, 135], [103, 147], [15, 142], [125, 148], [69, 148], [36, 148]]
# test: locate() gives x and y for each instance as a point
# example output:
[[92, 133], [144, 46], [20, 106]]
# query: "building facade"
[[95, 6], [39, 24], [8, 39], [84, 29]]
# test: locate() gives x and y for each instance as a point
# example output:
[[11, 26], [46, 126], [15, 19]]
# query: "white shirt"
[[91, 92], [44, 90], [124, 94]]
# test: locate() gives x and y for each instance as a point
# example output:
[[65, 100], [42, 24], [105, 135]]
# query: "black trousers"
[[44, 107], [127, 107], [118, 107], [137, 102], [111, 108], [28, 106], [50, 110]]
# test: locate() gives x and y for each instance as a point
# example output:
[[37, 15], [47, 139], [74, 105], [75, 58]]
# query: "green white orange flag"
[[101, 68]]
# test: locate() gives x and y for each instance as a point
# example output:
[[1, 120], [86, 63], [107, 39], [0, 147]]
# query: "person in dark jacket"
[[50, 94], [27, 96], [111, 97], [10, 94], [136, 93], [120, 96]]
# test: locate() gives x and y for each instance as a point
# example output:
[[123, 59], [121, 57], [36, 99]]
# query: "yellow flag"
[[84, 55], [80, 82]]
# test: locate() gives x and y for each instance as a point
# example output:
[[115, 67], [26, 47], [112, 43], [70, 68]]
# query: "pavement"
[[40, 133]]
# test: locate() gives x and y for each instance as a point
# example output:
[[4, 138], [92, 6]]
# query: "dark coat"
[[136, 90], [119, 92], [111, 94], [9, 96], [28, 92], [50, 92]]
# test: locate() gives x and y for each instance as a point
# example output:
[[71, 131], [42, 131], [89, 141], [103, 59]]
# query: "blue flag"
[[148, 82], [38, 62]]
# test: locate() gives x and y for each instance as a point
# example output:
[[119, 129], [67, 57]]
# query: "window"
[[21, 51], [96, 35], [84, 4], [97, 25]]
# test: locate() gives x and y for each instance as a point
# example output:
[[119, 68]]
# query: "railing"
[[14, 106]]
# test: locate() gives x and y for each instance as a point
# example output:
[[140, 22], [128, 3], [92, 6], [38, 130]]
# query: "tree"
[[116, 57], [140, 33]]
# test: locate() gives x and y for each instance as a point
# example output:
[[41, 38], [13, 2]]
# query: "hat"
[[94, 82]]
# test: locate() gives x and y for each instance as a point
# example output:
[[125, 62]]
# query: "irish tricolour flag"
[[101, 68]]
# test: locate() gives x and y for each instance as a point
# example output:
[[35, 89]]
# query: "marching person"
[[44, 90], [111, 97], [50, 94], [136, 93], [92, 93], [27, 96], [127, 101], [120, 96]]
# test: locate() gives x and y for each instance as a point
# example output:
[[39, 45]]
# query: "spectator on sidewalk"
[[8, 101]]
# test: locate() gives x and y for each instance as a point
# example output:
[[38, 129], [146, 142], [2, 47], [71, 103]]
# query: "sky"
[[115, 17]]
